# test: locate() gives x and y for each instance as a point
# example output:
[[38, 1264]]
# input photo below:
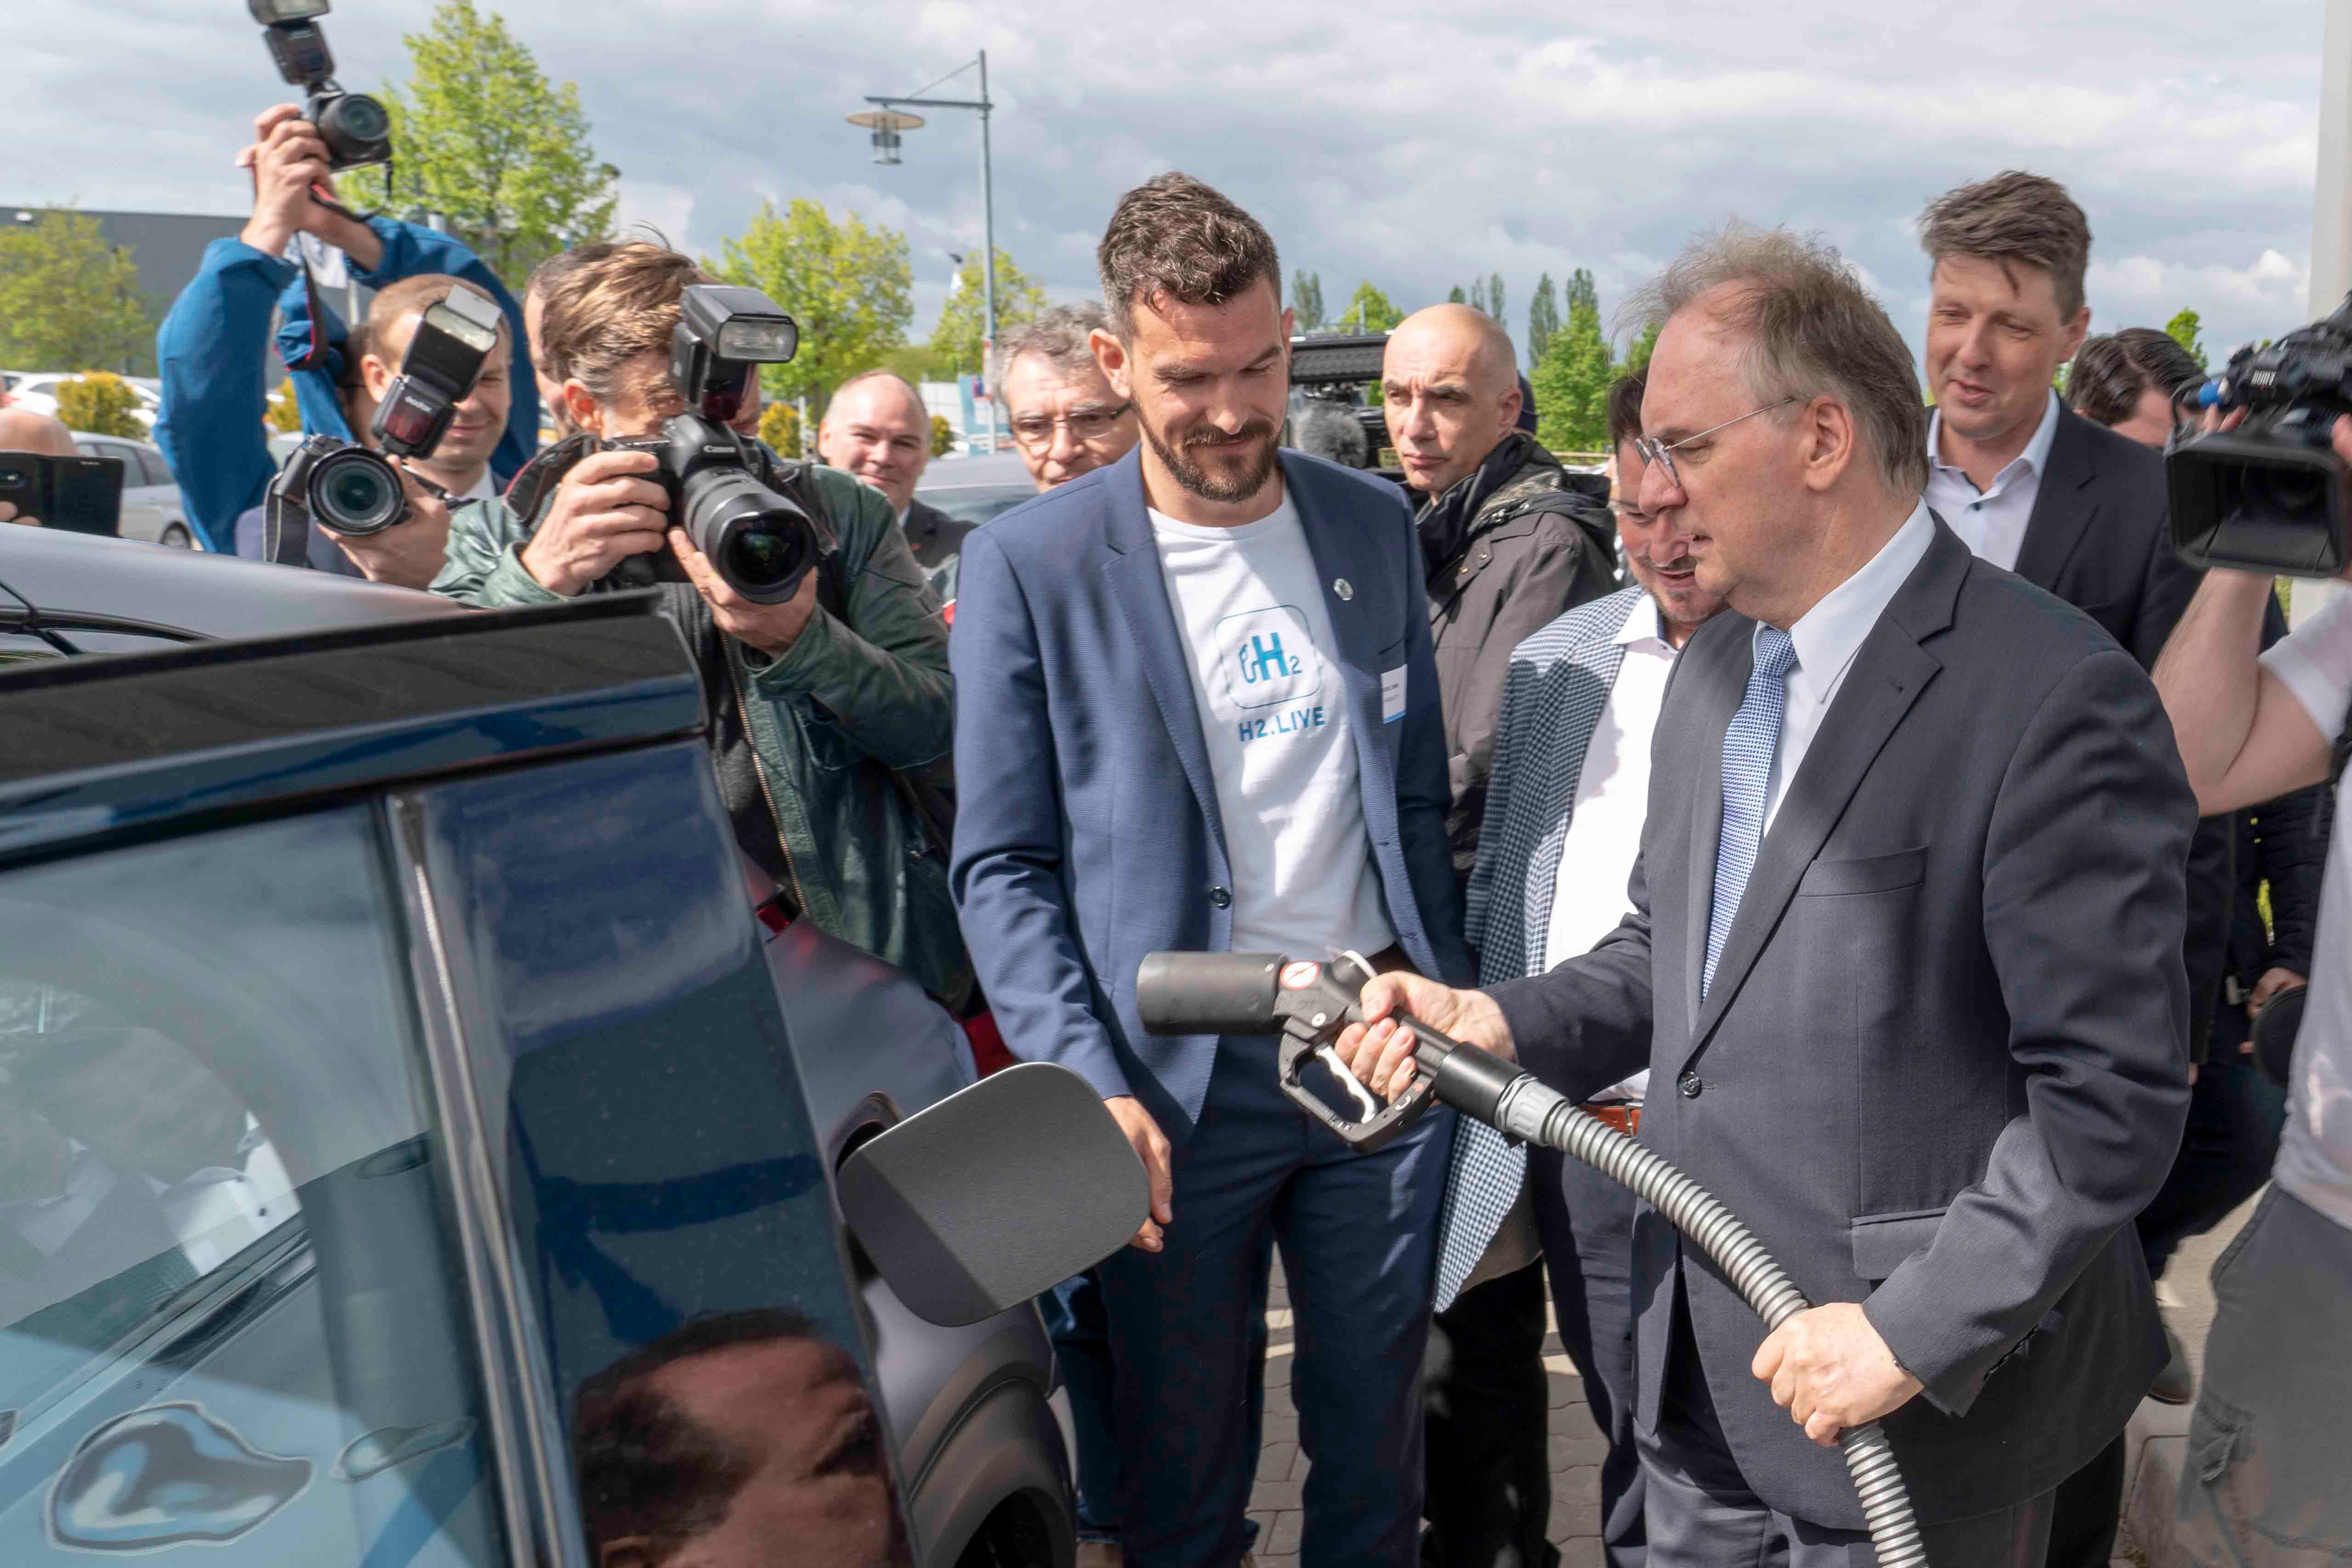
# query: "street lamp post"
[[887, 119]]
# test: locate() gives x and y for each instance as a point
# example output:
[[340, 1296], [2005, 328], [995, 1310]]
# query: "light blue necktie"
[[1748, 748]]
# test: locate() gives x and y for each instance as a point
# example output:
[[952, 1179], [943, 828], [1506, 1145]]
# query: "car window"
[[150, 463], [230, 1311], [978, 503]]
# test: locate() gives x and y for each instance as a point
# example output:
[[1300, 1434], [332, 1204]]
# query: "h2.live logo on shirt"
[[1271, 672]]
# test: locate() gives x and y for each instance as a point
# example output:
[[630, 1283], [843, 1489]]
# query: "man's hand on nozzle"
[[605, 511], [1378, 1052], [1829, 1370], [1150, 1147]]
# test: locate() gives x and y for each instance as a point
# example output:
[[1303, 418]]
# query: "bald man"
[[1508, 539], [21, 430], [876, 427], [1508, 543]]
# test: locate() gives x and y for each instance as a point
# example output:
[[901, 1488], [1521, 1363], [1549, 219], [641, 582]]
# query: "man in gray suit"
[[1904, 960]]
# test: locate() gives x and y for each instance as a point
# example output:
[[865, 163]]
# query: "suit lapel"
[[1889, 671], [2063, 506], [1337, 543], [1131, 568]]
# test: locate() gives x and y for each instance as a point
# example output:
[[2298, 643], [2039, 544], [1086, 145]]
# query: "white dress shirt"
[[1991, 522], [1591, 894], [1828, 637]]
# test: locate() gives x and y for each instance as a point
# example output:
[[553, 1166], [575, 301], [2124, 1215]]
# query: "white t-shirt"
[[1274, 713], [2314, 1160]]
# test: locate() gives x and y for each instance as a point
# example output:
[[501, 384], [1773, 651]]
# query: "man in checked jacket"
[[1564, 811]]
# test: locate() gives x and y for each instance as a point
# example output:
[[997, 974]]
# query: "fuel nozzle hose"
[[1309, 1003]]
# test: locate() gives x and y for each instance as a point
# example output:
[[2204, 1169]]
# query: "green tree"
[[2183, 328], [480, 135], [70, 301], [779, 427], [1478, 296], [943, 435], [1368, 311], [1306, 300], [101, 402], [282, 413], [1543, 318], [1494, 296], [955, 341], [850, 289], [1571, 382], [1455, 296]]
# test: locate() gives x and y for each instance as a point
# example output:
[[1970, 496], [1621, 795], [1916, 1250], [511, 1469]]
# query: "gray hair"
[[1330, 430], [1059, 337], [1813, 331]]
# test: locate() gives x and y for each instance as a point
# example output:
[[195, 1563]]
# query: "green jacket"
[[859, 696]]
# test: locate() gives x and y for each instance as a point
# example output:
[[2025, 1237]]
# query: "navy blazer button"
[[1221, 896], [1691, 1086]]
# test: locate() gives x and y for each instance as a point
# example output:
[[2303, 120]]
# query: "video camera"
[[354, 490], [761, 542], [2271, 495], [354, 126]]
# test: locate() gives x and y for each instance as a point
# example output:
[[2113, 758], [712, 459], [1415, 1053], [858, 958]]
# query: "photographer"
[[828, 706], [2273, 1418], [211, 353]]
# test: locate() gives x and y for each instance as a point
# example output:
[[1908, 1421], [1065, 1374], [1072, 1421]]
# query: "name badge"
[[1393, 695]]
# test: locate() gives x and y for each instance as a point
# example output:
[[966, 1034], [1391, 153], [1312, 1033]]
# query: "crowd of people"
[[1866, 775]]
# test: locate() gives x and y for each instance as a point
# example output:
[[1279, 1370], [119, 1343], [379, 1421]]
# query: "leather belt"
[[1625, 1115]]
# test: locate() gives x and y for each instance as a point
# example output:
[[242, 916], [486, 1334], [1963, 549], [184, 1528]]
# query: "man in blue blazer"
[[1197, 709]]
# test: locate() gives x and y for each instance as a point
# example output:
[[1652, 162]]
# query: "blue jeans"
[[1358, 1234], [1081, 1328]]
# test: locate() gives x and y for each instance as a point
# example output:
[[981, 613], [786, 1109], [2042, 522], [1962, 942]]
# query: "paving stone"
[[1274, 1461]]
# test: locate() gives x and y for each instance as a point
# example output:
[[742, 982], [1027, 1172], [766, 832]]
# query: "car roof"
[[109, 746], [194, 591]]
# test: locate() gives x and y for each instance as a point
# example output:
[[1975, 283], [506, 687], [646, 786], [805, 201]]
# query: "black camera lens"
[[2294, 493], [354, 491], [761, 557], [361, 118]]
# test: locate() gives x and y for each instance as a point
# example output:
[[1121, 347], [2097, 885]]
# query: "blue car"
[[412, 1150]]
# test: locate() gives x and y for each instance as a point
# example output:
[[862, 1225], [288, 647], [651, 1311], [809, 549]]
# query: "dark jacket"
[[806, 744], [1503, 552], [211, 353], [936, 541], [1944, 1058], [2101, 539], [1089, 831]]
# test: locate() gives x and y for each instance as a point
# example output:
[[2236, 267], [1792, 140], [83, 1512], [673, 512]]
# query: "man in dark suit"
[[2072, 506], [1904, 961], [876, 427], [1196, 709]]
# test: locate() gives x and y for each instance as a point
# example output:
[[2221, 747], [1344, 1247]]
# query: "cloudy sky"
[[1418, 146]]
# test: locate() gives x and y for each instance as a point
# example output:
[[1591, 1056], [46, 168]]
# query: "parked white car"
[[153, 508]]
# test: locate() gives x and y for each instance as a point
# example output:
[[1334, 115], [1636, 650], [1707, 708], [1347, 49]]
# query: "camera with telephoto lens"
[[761, 542], [354, 490], [2271, 495], [354, 126]]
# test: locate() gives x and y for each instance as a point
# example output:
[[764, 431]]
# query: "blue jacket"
[[1086, 830], [209, 351]]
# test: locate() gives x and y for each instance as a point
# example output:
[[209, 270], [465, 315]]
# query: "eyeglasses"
[[1086, 427], [1653, 450]]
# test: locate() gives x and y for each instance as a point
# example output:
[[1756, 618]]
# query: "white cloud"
[[1378, 139]]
